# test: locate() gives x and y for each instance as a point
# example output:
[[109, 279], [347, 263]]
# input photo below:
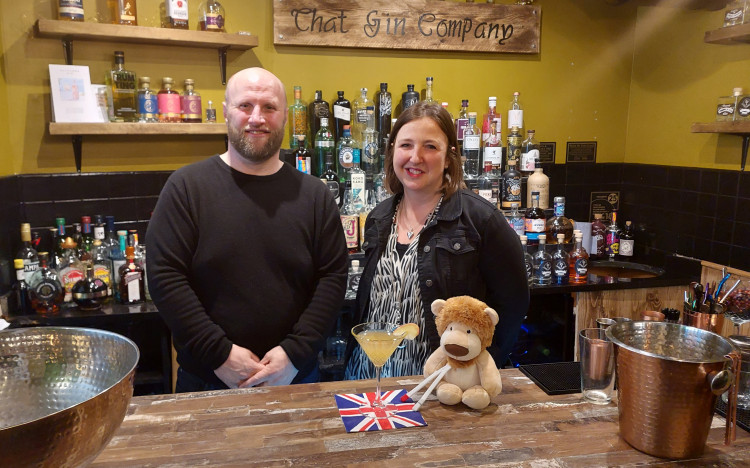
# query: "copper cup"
[[653, 316], [712, 322]]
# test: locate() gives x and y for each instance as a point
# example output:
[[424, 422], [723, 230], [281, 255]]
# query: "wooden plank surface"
[[738, 127], [130, 128], [731, 35], [143, 35], [408, 24], [299, 425]]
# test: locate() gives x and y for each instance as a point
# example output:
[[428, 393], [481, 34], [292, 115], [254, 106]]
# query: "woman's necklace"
[[410, 230]]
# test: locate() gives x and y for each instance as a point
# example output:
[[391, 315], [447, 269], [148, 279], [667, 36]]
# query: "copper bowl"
[[63, 393]]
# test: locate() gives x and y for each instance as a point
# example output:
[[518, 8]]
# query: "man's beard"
[[252, 152]]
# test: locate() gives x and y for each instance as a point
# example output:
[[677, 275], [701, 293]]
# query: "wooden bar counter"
[[300, 426]]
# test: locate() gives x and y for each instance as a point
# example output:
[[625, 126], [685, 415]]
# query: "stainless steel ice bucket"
[[669, 376]]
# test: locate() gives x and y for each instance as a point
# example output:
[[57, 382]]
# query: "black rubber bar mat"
[[557, 378], [743, 416]]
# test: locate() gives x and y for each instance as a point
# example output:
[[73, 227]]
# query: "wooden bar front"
[[300, 426]]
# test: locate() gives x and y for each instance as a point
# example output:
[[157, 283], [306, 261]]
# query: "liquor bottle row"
[[734, 107], [86, 268], [173, 13], [560, 267], [127, 102]]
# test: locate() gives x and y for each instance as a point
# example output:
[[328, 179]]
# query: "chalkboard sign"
[[604, 203]]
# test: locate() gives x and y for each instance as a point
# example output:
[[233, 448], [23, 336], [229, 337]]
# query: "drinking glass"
[[597, 366], [378, 340]]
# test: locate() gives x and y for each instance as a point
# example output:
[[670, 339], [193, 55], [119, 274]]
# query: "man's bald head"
[[255, 77]]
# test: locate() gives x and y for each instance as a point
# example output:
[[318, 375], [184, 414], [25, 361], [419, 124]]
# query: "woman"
[[434, 240]]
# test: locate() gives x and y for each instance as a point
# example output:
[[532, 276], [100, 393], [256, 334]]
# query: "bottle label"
[[515, 118], [487, 195], [626, 247], [349, 223], [559, 209], [346, 156], [362, 116], [529, 269], [324, 143], [582, 267], [613, 243], [29, 267], [69, 277], [358, 188], [518, 225], [191, 107], [303, 164], [46, 291], [733, 15], [743, 107], [460, 128], [71, 9], [362, 219], [724, 109], [148, 105], [214, 22], [529, 159], [535, 225], [210, 115], [102, 272], [408, 102], [169, 105], [370, 153], [177, 9], [471, 142], [333, 186], [342, 113], [133, 280], [561, 268], [494, 154], [544, 271], [385, 105], [512, 191]]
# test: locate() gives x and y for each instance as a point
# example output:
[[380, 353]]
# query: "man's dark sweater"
[[257, 261]]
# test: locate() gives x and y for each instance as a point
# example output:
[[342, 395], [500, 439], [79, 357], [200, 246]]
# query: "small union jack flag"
[[359, 415]]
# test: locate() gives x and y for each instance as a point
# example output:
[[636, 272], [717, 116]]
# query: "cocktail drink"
[[379, 340]]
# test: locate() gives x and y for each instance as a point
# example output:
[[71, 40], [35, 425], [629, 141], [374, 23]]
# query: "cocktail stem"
[[378, 401]]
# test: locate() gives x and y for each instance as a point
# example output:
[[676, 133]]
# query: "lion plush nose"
[[456, 350]]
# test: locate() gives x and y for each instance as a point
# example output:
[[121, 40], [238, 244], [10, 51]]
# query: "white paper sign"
[[72, 99]]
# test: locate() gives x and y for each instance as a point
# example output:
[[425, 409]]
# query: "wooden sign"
[[408, 24]]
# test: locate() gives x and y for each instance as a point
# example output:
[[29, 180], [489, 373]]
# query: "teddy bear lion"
[[466, 326]]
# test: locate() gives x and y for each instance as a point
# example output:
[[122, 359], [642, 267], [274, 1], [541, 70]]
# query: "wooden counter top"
[[299, 426]]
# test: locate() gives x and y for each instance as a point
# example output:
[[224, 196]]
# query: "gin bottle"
[[360, 114], [123, 12], [370, 146], [528, 262], [579, 262], [515, 112], [297, 118], [122, 86], [148, 104], [511, 186], [409, 98], [542, 262], [485, 184], [529, 153], [348, 154], [21, 289], [331, 179], [598, 236], [428, 91], [560, 262], [324, 148], [317, 110], [534, 220], [461, 122], [190, 103], [336, 344], [211, 16], [170, 108], [735, 13], [210, 112], [117, 256], [87, 239], [302, 156], [471, 147], [342, 115], [492, 134], [384, 114], [627, 242], [516, 220]]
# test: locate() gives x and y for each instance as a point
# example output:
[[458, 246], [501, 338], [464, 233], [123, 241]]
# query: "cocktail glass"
[[378, 340]]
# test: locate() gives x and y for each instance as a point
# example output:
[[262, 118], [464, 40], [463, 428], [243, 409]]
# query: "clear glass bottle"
[[87, 240], [297, 118], [470, 155], [528, 262], [170, 109], [70, 10], [539, 182], [148, 104], [511, 186], [352, 282], [409, 97], [175, 14], [370, 154], [559, 224], [383, 111], [735, 13], [515, 143], [535, 222], [121, 87], [359, 123], [516, 220], [378, 183], [515, 112], [71, 270], [542, 262], [336, 344], [303, 156], [123, 12], [560, 262], [484, 185], [428, 97], [110, 241], [324, 147], [461, 122], [132, 279], [330, 178], [211, 16], [612, 239], [342, 114], [529, 154], [45, 288], [492, 140], [627, 242], [348, 153], [210, 112], [364, 210], [349, 220], [26, 252], [579, 262], [743, 108], [90, 292], [316, 110], [191, 109]]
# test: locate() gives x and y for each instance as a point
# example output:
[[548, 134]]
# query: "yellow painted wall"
[[6, 154], [677, 78], [578, 88]]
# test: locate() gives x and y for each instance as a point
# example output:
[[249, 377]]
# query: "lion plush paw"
[[449, 394], [476, 398]]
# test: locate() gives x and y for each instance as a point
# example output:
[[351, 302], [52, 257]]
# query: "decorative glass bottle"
[[297, 118], [148, 104], [560, 262], [579, 262], [175, 14], [90, 292], [170, 109], [211, 16], [45, 289], [190, 104], [123, 12], [542, 263], [122, 88]]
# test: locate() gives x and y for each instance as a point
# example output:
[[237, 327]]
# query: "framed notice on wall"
[[72, 96]]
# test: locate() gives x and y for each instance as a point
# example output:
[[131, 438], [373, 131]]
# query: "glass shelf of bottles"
[[734, 127], [126, 128], [729, 35], [72, 30]]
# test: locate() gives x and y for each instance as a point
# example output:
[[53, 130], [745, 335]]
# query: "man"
[[246, 256]]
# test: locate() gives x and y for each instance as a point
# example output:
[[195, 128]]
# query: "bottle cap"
[[166, 80], [410, 87], [384, 86], [86, 219], [472, 114], [560, 238], [530, 131], [18, 263], [324, 121], [493, 99], [144, 79], [523, 238], [429, 79], [464, 102], [188, 81], [516, 93], [347, 127], [130, 251], [340, 93], [355, 263], [69, 243], [559, 199], [737, 91], [628, 223], [542, 237]]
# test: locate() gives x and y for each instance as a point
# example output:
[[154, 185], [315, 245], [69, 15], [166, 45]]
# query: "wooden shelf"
[[59, 128], [741, 128], [731, 35], [70, 30]]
